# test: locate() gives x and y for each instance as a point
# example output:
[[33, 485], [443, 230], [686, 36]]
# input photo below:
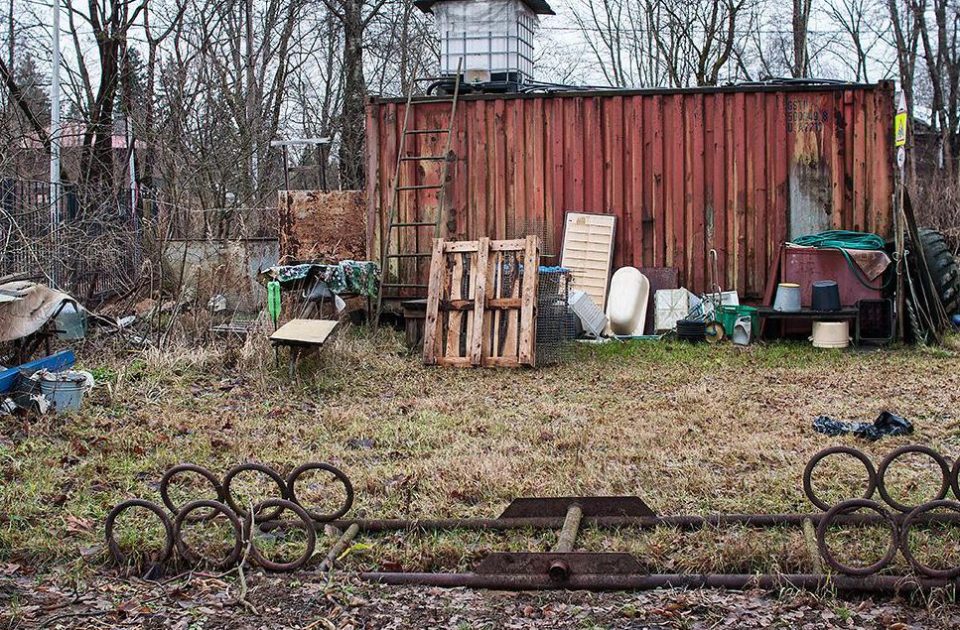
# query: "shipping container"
[[738, 169]]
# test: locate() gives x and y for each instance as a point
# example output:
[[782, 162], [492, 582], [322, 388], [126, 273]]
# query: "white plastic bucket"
[[831, 334]]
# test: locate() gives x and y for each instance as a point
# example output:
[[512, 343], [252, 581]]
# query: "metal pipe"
[[602, 582], [571, 527], [683, 521], [559, 569]]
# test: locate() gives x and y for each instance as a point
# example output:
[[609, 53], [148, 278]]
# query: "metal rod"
[[571, 527], [341, 544], [683, 522], [603, 582]]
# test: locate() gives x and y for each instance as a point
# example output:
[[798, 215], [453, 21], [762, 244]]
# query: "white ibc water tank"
[[493, 38], [627, 301]]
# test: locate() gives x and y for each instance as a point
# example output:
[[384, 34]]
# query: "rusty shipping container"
[[739, 169]]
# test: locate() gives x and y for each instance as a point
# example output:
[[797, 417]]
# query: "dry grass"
[[689, 429]]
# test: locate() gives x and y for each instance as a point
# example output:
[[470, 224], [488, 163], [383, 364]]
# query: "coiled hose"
[[842, 240]]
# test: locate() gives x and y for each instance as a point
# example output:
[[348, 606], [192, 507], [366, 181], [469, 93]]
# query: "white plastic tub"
[[627, 301]]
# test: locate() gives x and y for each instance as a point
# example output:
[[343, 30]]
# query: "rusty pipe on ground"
[[682, 522], [604, 582], [559, 569]]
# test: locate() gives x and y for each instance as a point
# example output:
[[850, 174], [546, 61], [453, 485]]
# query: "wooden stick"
[[337, 549]]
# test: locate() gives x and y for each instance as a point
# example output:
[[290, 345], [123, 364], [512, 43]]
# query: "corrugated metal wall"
[[736, 169]]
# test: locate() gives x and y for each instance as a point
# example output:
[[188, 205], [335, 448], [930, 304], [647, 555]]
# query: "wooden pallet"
[[481, 303]]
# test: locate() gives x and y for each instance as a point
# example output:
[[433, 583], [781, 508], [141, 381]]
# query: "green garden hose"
[[842, 240]]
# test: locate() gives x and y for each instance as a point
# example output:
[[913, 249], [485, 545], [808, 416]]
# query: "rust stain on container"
[[736, 169]]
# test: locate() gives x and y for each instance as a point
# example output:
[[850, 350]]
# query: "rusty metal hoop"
[[955, 478], [903, 450], [260, 468], [195, 557], [846, 450], [905, 539], [281, 505], [193, 468], [844, 508], [112, 545], [337, 473]]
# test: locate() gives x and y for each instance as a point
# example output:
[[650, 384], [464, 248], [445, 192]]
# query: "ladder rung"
[[411, 255], [424, 158], [421, 187], [414, 224], [422, 131]]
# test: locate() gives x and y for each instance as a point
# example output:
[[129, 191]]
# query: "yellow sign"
[[900, 129]]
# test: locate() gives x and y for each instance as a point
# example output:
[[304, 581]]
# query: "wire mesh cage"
[[556, 324]]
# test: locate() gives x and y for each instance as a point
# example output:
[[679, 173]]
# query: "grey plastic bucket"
[[66, 394]]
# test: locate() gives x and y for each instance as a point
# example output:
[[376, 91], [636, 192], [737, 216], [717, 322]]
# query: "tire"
[[943, 268]]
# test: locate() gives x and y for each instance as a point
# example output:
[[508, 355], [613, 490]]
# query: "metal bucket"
[[788, 298], [64, 390]]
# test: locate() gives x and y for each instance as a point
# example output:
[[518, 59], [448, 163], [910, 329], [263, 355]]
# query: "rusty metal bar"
[[338, 548], [601, 582], [682, 522], [571, 527]]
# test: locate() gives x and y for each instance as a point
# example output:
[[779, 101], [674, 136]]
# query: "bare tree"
[[354, 16]]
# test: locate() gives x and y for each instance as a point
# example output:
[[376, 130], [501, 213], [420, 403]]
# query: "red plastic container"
[[805, 265]]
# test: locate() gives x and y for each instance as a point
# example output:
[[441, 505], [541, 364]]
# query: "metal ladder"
[[395, 226]]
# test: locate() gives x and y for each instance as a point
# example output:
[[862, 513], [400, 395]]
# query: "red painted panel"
[[683, 171]]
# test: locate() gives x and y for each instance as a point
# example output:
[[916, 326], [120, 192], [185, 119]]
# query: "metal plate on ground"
[[578, 563], [545, 507]]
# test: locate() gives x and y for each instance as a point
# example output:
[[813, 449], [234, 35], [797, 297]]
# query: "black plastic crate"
[[876, 321]]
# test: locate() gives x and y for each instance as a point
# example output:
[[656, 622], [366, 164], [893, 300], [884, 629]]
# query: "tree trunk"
[[354, 98]]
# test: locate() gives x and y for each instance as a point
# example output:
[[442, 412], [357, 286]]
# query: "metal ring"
[[193, 468], [112, 545], [260, 468], [337, 473], [808, 473], [281, 505], [905, 539], [194, 557], [844, 508], [955, 478], [912, 448]]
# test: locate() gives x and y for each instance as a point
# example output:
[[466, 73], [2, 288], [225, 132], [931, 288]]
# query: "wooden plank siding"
[[684, 171]]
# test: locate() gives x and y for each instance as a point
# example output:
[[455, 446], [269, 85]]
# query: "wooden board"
[[588, 252], [311, 332], [481, 303]]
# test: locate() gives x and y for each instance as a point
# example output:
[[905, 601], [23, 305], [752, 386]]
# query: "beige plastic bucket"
[[831, 334]]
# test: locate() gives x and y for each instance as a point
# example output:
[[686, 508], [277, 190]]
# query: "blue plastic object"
[[55, 363]]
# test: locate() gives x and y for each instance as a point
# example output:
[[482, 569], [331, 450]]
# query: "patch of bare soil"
[[308, 601]]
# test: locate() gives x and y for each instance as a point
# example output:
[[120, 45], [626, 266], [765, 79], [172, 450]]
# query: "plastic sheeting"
[[26, 306]]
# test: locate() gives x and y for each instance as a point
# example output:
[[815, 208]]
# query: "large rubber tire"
[[943, 268]]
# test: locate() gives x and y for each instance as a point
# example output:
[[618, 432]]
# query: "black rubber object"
[[189, 468], [193, 557], [260, 468], [905, 539], [337, 473], [912, 448], [280, 505], [112, 545], [943, 268], [845, 508], [846, 450]]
